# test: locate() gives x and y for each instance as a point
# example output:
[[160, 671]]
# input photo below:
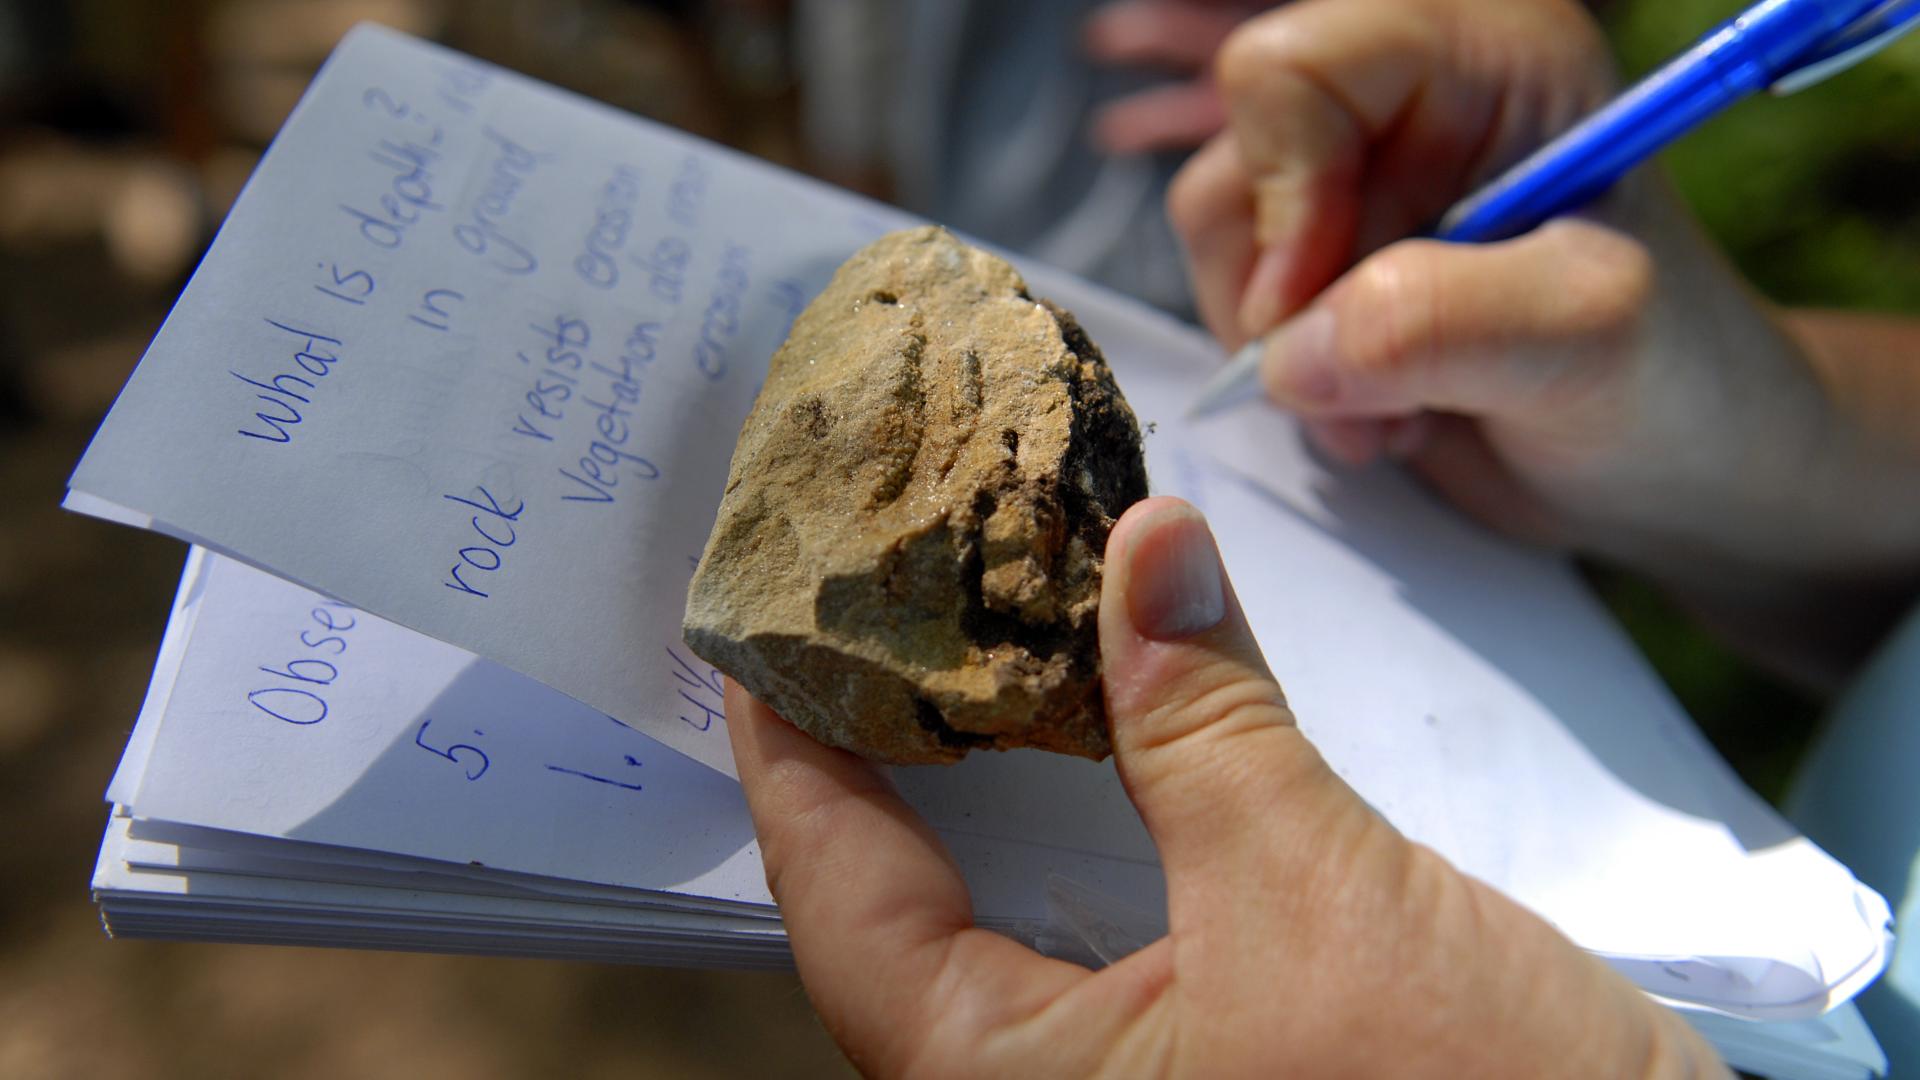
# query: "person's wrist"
[[1723, 425], [1870, 385], [1763, 477]]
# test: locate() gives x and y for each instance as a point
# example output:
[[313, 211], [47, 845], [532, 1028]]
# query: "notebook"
[[445, 414]]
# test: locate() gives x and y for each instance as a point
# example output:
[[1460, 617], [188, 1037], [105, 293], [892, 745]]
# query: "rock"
[[907, 558]]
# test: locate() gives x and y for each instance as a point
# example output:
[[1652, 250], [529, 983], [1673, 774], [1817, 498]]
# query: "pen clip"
[[1866, 36]]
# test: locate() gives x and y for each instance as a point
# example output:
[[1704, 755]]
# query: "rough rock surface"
[[907, 557]]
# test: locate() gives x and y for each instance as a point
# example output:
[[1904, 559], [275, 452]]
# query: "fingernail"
[[1260, 304], [1300, 366], [1174, 584]]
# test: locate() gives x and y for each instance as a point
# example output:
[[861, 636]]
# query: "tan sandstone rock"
[[907, 557]]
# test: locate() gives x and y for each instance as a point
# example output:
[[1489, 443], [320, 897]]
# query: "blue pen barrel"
[[1739, 58]]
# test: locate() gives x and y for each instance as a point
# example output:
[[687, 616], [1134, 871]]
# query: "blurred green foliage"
[[1816, 196]]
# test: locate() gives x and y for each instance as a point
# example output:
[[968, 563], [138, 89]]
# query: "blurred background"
[[126, 130]]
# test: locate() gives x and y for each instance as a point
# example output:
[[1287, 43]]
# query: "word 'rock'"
[[907, 558]]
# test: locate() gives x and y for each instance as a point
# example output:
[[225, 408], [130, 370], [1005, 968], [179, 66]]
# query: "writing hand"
[[1307, 937], [1604, 382]]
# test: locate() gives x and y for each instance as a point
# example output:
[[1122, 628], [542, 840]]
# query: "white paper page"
[[297, 717], [291, 876], [149, 903], [82, 503], [129, 866], [166, 667], [470, 353], [300, 717], [1522, 611], [346, 865], [1505, 738], [1836, 1046]]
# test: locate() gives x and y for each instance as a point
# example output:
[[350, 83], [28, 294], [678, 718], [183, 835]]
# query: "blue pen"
[[1785, 45]]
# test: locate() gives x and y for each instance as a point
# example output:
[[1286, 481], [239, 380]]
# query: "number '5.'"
[[452, 753]]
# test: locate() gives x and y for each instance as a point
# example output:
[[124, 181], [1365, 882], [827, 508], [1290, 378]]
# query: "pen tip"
[[1238, 381]]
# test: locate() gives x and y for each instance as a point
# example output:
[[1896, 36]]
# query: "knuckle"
[[1189, 201], [1391, 316], [805, 834], [1610, 282], [1247, 60], [1242, 59], [1218, 703], [784, 852], [1255, 708], [1211, 193]]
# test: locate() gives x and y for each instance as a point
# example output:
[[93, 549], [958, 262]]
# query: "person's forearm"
[[1864, 494], [1870, 364]]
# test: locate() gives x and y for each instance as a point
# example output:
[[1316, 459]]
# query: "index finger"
[[878, 915], [1308, 89]]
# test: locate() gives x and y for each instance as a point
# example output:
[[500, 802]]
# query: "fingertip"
[[1177, 35], [1261, 303], [1133, 601], [1106, 33], [1176, 116], [1134, 521], [1303, 226], [748, 718], [1210, 204], [754, 731], [1134, 516], [1300, 367], [1174, 585], [783, 767], [1165, 599], [740, 717]]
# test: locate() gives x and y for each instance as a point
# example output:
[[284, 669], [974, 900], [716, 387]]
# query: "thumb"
[[1202, 734], [1279, 876], [1534, 330]]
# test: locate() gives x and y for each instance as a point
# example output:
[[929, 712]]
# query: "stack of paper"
[[466, 363], [475, 809]]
